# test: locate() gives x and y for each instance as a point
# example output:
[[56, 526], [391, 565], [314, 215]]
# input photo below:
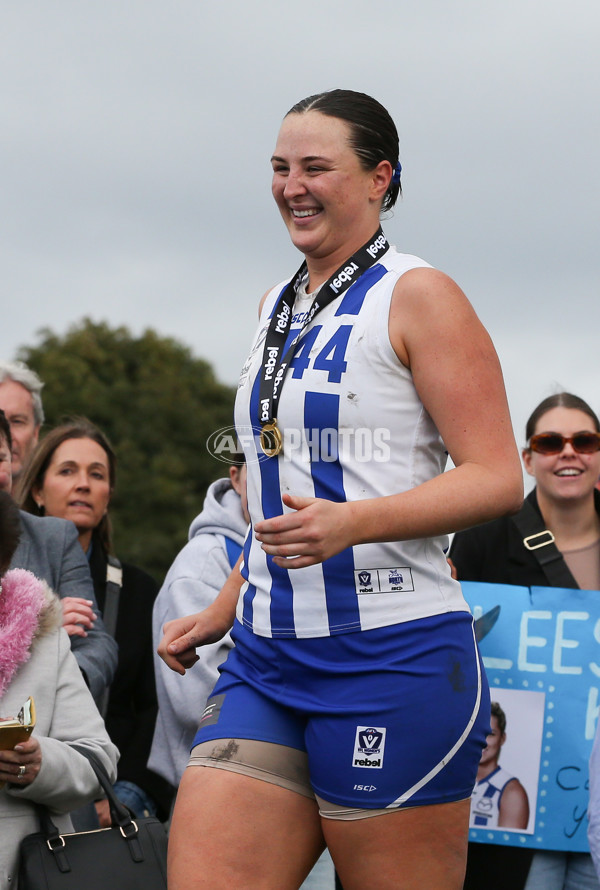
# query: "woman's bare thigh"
[[409, 849], [230, 830]]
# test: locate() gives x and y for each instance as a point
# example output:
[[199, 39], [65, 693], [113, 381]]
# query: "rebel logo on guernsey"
[[369, 747]]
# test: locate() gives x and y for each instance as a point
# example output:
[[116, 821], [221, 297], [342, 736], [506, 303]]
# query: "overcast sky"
[[135, 148]]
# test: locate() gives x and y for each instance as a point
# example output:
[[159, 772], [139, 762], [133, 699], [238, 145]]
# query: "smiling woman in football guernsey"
[[367, 368]]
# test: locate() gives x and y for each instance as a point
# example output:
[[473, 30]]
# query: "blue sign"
[[542, 659]]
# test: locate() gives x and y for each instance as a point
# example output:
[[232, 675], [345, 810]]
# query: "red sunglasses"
[[553, 443]]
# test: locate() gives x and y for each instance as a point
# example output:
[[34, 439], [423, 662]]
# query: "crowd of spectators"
[[59, 561]]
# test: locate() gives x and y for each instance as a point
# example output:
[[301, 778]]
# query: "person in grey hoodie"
[[196, 577], [192, 583]]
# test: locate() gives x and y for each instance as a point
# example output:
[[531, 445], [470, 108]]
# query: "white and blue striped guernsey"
[[353, 428], [485, 800]]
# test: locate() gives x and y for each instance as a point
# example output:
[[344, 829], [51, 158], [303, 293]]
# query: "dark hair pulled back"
[[559, 400], [374, 137]]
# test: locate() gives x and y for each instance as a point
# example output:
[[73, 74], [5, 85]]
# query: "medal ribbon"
[[274, 363]]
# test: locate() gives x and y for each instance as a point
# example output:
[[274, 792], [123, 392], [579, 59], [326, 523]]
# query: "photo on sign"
[[505, 794]]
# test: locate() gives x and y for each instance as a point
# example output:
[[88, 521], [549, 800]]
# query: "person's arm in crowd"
[[183, 635], [96, 652], [183, 594]]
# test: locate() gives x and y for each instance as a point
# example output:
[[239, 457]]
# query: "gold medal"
[[271, 440]]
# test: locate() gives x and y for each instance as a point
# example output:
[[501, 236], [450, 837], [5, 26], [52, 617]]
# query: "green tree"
[[158, 405]]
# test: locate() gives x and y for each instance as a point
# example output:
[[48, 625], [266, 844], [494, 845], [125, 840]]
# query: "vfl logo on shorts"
[[369, 746]]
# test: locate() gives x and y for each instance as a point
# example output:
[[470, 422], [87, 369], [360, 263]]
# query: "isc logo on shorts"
[[369, 746]]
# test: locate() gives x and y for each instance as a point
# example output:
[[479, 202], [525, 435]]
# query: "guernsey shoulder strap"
[[539, 540]]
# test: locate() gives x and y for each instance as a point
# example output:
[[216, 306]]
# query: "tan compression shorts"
[[276, 764]]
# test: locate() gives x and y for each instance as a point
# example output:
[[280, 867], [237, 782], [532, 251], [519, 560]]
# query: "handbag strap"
[[119, 813], [539, 540], [114, 582]]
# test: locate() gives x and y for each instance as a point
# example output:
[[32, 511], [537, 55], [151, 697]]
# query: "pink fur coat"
[[27, 609]]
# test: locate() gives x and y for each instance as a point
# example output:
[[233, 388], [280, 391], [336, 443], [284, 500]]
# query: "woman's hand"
[[182, 635], [78, 615], [315, 531], [21, 765]]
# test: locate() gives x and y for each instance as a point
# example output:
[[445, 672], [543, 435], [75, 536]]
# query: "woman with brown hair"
[[36, 663], [562, 454], [345, 616], [72, 475]]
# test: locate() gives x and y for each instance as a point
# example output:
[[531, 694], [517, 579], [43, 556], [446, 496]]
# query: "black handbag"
[[130, 855]]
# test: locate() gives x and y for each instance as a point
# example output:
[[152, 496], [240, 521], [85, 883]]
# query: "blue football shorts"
[[385, 718]]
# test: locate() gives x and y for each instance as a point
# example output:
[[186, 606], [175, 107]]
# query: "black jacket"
[[494, 553], [132, 705]]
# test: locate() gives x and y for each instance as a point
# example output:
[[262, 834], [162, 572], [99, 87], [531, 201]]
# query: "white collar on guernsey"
[[301, 293]]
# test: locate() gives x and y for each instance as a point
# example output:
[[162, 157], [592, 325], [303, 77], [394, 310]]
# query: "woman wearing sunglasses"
[[563, 456]]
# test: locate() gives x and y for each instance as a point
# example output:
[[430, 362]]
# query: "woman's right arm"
[[181, 636]]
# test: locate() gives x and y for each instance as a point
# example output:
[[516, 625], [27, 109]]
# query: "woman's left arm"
[[436, 333], [64, 778]]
